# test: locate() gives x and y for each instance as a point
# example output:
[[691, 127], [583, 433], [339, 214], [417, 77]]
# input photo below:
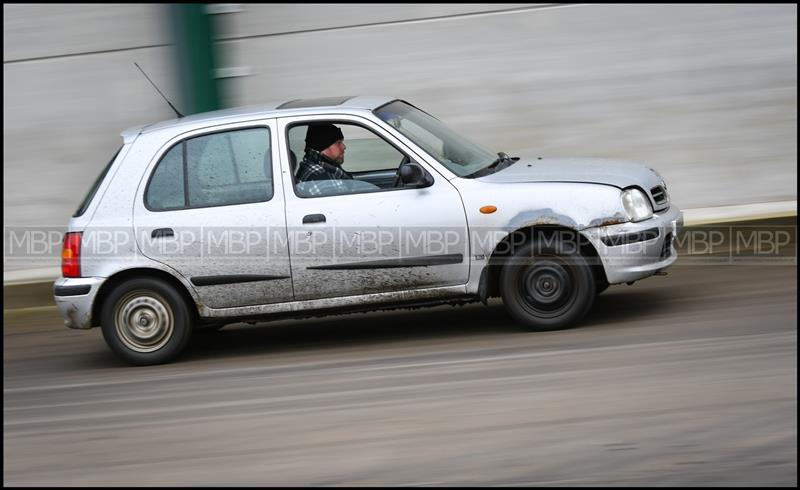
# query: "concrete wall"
[[69, 89], [707, 94]]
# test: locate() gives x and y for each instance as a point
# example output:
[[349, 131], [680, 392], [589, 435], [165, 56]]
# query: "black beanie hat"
[[321, 136]]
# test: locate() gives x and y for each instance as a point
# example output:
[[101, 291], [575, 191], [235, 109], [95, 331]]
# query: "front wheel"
[[146, 321], [547, 285]]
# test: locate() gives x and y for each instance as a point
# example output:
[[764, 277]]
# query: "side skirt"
[[348, 304]]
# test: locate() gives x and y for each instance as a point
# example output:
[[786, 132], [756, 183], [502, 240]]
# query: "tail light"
[[71, 255]]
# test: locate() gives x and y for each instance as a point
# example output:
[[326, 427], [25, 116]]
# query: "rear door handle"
[[314, 218], [162, 233]]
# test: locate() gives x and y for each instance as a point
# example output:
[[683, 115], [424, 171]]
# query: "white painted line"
[[742, 212], [30, 309], [480, 14], [424, 20], [26, 276], [223, 8]]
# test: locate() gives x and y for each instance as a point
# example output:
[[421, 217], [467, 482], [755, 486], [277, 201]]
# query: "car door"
[[209, 209], [370, 239]]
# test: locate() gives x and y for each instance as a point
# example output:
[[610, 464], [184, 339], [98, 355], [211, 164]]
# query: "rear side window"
[[167, 185], [93, 190], [219, 169]]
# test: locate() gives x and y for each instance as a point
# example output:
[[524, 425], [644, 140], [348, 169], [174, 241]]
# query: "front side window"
[[336, 158], [219, 169]]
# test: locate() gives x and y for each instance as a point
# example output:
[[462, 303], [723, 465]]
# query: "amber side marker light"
[[488, 209]]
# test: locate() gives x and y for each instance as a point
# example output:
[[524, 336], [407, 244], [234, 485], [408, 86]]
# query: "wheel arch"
[[510, 243], [112, 282]]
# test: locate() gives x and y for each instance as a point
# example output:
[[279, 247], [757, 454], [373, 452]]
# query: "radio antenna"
[[154, 86]]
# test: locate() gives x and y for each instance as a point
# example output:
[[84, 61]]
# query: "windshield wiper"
[[502, 161], [509, 161]]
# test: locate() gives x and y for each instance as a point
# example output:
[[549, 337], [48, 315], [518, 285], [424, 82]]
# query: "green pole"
[[194, 44]]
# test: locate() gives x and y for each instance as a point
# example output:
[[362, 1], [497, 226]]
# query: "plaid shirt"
[[315, 167]]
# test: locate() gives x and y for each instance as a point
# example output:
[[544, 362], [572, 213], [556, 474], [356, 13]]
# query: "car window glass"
[[367, 152], [166, 186], [424, 138], [252, 156], [460, 155], [231, 167], [371, 160], [297, 140], [210, 163]]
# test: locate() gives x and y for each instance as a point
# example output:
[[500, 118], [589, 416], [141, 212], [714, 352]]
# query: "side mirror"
[[413, 175]]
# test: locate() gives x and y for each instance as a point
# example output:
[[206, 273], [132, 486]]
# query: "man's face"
[[335, 152]]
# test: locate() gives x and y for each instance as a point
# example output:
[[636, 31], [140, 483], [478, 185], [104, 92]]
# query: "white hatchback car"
[[204, 220]]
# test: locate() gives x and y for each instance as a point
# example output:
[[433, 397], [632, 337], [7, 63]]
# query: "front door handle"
[[314, 218], [162, 233]]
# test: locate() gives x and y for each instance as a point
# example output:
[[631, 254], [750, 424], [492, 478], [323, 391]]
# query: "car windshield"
[[458, 154]]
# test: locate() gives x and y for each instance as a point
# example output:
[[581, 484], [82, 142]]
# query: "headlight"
[[636, 205]]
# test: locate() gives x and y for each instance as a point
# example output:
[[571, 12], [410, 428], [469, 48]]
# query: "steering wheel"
[[398, 182]]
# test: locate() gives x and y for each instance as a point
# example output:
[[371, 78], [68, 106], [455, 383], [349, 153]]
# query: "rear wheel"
[[547, 285], [146, 321]]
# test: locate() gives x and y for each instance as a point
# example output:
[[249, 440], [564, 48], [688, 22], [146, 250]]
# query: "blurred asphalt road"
[[688, 379]]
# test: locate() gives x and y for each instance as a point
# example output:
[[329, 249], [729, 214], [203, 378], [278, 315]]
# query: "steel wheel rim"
[[547, 288], [144, 321]]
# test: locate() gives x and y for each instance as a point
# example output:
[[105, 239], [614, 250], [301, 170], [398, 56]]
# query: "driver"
[[324, 155]]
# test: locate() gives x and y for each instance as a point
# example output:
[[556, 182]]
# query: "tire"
[[145, 321], [547, 285]]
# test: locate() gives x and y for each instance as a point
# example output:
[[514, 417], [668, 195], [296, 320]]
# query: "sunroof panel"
[[324, 101]]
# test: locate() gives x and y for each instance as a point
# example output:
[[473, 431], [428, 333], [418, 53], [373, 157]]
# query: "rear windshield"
[[88, 199]]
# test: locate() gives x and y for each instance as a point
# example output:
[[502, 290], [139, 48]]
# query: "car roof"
[[274, 109]]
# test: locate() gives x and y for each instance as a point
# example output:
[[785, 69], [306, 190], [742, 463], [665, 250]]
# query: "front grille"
[[659, 195], [666, 247]]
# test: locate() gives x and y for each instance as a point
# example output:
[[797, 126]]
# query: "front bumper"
[[632, 251], [75, 298]]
